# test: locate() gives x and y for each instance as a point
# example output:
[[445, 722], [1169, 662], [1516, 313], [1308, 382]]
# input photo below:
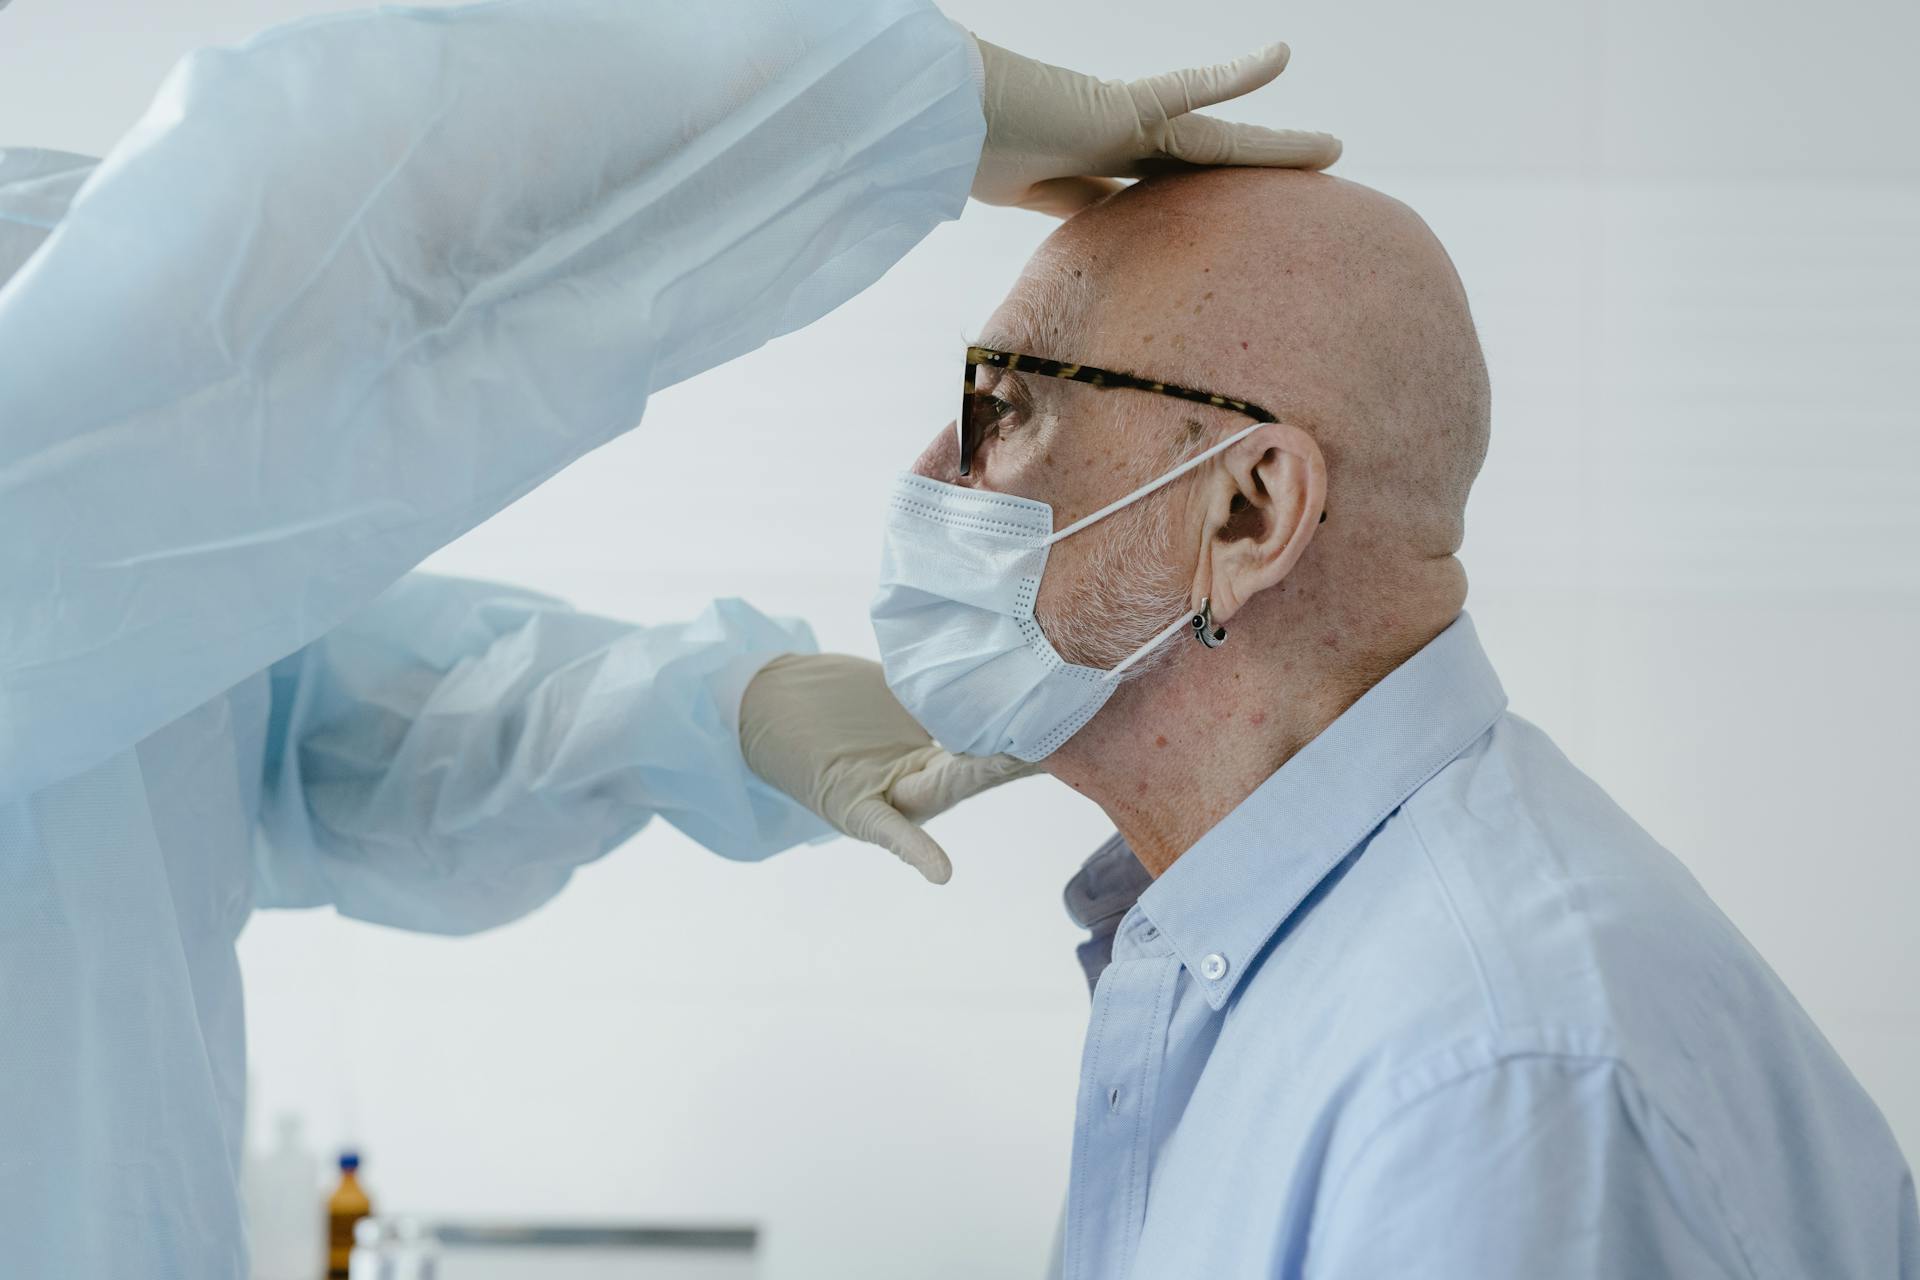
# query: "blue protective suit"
[[344, 292]]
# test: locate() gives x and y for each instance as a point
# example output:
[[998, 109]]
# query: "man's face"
[[1110, 588]]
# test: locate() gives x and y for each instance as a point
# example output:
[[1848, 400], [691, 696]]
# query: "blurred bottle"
[[281, 1188], [416, 1251], [372, 1257], [394, 1249], [348, 1205]]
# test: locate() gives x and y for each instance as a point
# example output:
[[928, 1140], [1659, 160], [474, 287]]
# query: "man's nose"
[[941, 459]]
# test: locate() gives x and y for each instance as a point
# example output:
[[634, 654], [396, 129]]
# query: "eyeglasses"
[[977, 408]]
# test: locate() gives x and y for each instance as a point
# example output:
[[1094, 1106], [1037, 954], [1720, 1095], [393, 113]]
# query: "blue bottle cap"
[[349, 1160]]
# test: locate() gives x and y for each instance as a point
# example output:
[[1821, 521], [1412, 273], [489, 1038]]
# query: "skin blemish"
[[1330, 641], [1243, 346], [1257, 719], [1147, 339], [1208, 294], [1160, 740], [1142, 788]]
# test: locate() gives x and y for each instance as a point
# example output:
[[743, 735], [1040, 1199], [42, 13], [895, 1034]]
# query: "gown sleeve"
[[351, 287], [444, 759]]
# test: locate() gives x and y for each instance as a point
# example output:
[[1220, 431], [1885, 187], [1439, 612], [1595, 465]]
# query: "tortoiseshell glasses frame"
[[976, 420]]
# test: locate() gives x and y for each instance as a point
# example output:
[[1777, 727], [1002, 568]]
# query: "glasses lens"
[[970, 424]]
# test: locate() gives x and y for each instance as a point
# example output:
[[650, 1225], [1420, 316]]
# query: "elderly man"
[[1402, 992]]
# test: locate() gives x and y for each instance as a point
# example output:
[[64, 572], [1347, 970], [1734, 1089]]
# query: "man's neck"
[[1173, 753]]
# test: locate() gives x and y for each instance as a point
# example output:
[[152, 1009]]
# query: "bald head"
[[1326, 304], [1333, 309], [1323, 301]]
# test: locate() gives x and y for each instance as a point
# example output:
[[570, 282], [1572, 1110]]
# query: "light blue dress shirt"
[[1428, 1004]]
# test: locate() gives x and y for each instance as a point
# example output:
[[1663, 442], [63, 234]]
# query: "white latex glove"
[[825, 729], [1056, 139]]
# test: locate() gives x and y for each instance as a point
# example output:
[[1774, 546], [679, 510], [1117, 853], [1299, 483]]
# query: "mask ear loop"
[[1185, 620], [1151, 485], [1180, 623]]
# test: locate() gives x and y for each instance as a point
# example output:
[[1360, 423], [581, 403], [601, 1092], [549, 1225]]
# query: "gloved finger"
[[1207, 140], [948, 779], [1064, 197], [1191, 88], [877, 822]]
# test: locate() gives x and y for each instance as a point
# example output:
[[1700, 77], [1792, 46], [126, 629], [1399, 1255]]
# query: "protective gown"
[[344, 292]]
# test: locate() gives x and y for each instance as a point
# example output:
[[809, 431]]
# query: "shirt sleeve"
[[351, 287], [1529, 1167], [445, 759]]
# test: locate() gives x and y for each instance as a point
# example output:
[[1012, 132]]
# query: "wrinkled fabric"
[[352, 286], [445, 758], [1427, 1003], [346, 291], [441, 762]]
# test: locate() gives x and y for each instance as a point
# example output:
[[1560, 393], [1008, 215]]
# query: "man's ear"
[[1265, 498]]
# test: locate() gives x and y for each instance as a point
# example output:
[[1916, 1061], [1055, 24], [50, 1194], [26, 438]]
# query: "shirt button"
[[1214, 967]]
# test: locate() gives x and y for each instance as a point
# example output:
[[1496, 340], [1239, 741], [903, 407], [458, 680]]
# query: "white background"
[[1691, 234]]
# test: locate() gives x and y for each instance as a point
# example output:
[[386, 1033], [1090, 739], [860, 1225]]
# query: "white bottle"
[[373, 1258], [284, 1206]]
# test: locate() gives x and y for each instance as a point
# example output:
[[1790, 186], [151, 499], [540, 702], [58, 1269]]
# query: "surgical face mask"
[[959, 574]]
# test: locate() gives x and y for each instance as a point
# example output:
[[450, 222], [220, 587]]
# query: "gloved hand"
[[825, 729], [1056, 139]]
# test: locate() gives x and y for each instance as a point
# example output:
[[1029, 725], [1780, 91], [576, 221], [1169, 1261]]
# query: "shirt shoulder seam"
[[1503, 1059], [1453, 913]]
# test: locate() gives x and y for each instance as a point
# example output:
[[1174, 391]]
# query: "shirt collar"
[[1221, 901]]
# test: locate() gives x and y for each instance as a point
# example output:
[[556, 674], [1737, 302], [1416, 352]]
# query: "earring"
[[1204, 629]]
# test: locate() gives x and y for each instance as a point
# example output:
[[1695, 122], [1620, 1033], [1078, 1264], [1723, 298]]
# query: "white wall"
[[1691, 232]]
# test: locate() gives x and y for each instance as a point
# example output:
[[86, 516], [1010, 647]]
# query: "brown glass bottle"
[[348, 1205]]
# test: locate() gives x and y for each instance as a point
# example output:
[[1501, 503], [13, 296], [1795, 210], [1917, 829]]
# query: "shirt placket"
[[1119, 1079]]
